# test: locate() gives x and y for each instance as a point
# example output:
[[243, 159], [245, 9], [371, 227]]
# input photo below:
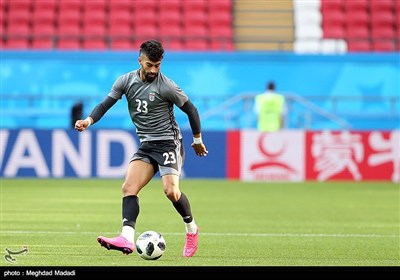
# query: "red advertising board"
[[313, 155]]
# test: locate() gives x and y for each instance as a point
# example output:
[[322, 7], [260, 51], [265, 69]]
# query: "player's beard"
[[148, 77]]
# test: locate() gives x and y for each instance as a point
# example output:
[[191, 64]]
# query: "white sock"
[[129, 233], [191, 227]]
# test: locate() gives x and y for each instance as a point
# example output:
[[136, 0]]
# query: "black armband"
[[193, 115], [101, 108]]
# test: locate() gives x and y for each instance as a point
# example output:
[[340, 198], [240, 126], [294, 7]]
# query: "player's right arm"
[[97, 113]]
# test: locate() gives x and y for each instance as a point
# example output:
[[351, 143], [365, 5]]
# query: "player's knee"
[[128, 189], [172, 195]]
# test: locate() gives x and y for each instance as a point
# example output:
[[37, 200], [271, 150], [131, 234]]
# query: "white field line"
[[338, 235]]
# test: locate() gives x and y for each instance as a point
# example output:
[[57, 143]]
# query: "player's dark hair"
[[152, 49]]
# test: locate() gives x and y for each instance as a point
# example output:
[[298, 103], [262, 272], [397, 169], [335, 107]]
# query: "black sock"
[[183, 208], [130, 210]]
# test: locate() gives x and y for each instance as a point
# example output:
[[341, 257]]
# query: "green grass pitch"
[[242, 223]]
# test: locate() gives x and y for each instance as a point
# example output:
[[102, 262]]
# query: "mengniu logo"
[[271, 157]]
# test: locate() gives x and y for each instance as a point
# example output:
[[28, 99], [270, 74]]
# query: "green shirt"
[[270, 109]]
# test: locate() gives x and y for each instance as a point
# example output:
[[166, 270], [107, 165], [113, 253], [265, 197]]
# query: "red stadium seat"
[[18, 29], [382, 5], [68, 30], [328, 6], [18, 43], [144, 18], [175, 45], [43, 44], [19, 5], [90, 6], [383, 45], [70, 5], [94, 44], [357, 32], [219, 19], [221, 6], [356, 6], [47, 5], [358, 45], [94, 29], [67, 44], [166, 19], [119, 29], [41, 29], [145, 32], [145, 6], [199, 31], [194, 6], [121, 44], [383, 32], [170, 6], [196, 45], [221, 45], [332, 30]]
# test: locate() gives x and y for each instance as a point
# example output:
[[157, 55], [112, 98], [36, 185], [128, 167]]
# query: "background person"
[[270, 108]]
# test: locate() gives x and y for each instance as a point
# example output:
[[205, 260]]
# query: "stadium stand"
[[106, 24], [305, 26]]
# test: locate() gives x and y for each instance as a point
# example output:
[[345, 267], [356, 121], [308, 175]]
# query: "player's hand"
[[81, 125], [200, 149]]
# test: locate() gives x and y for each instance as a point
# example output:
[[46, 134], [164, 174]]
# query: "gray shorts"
[[166, 156]]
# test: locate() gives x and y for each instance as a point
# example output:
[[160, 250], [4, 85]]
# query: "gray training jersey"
[[151, 105]]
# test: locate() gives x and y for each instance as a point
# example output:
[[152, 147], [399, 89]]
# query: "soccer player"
[[151, 97]]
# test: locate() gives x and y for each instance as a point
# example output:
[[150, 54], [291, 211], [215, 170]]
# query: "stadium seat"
[[19, 5], [69, 18], [382, 5], [196, 45], [171, 31], [356, 6], [217, 19], [170, 6], [383, 18], [43, 29], [70, 5], [47, 5], [144, 18], [98, 6], [357, 32], [43, 44], [68, 30], [328, 6], [172, 44], [67, 44], [119, 19], [145, 32], [222, 6], [94, 44], [333, 30], [383, 32], [145, 6], [118, 29], [172, 18], [15, 28], [198, 31], [17, 43], [221, 44], [121, 44], [194, 6], [358, 45], [383, 45]]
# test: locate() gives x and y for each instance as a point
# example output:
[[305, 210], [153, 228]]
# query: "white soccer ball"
[[150, 245]]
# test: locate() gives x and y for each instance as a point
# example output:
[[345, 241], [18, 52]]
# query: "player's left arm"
[[195, 124]]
